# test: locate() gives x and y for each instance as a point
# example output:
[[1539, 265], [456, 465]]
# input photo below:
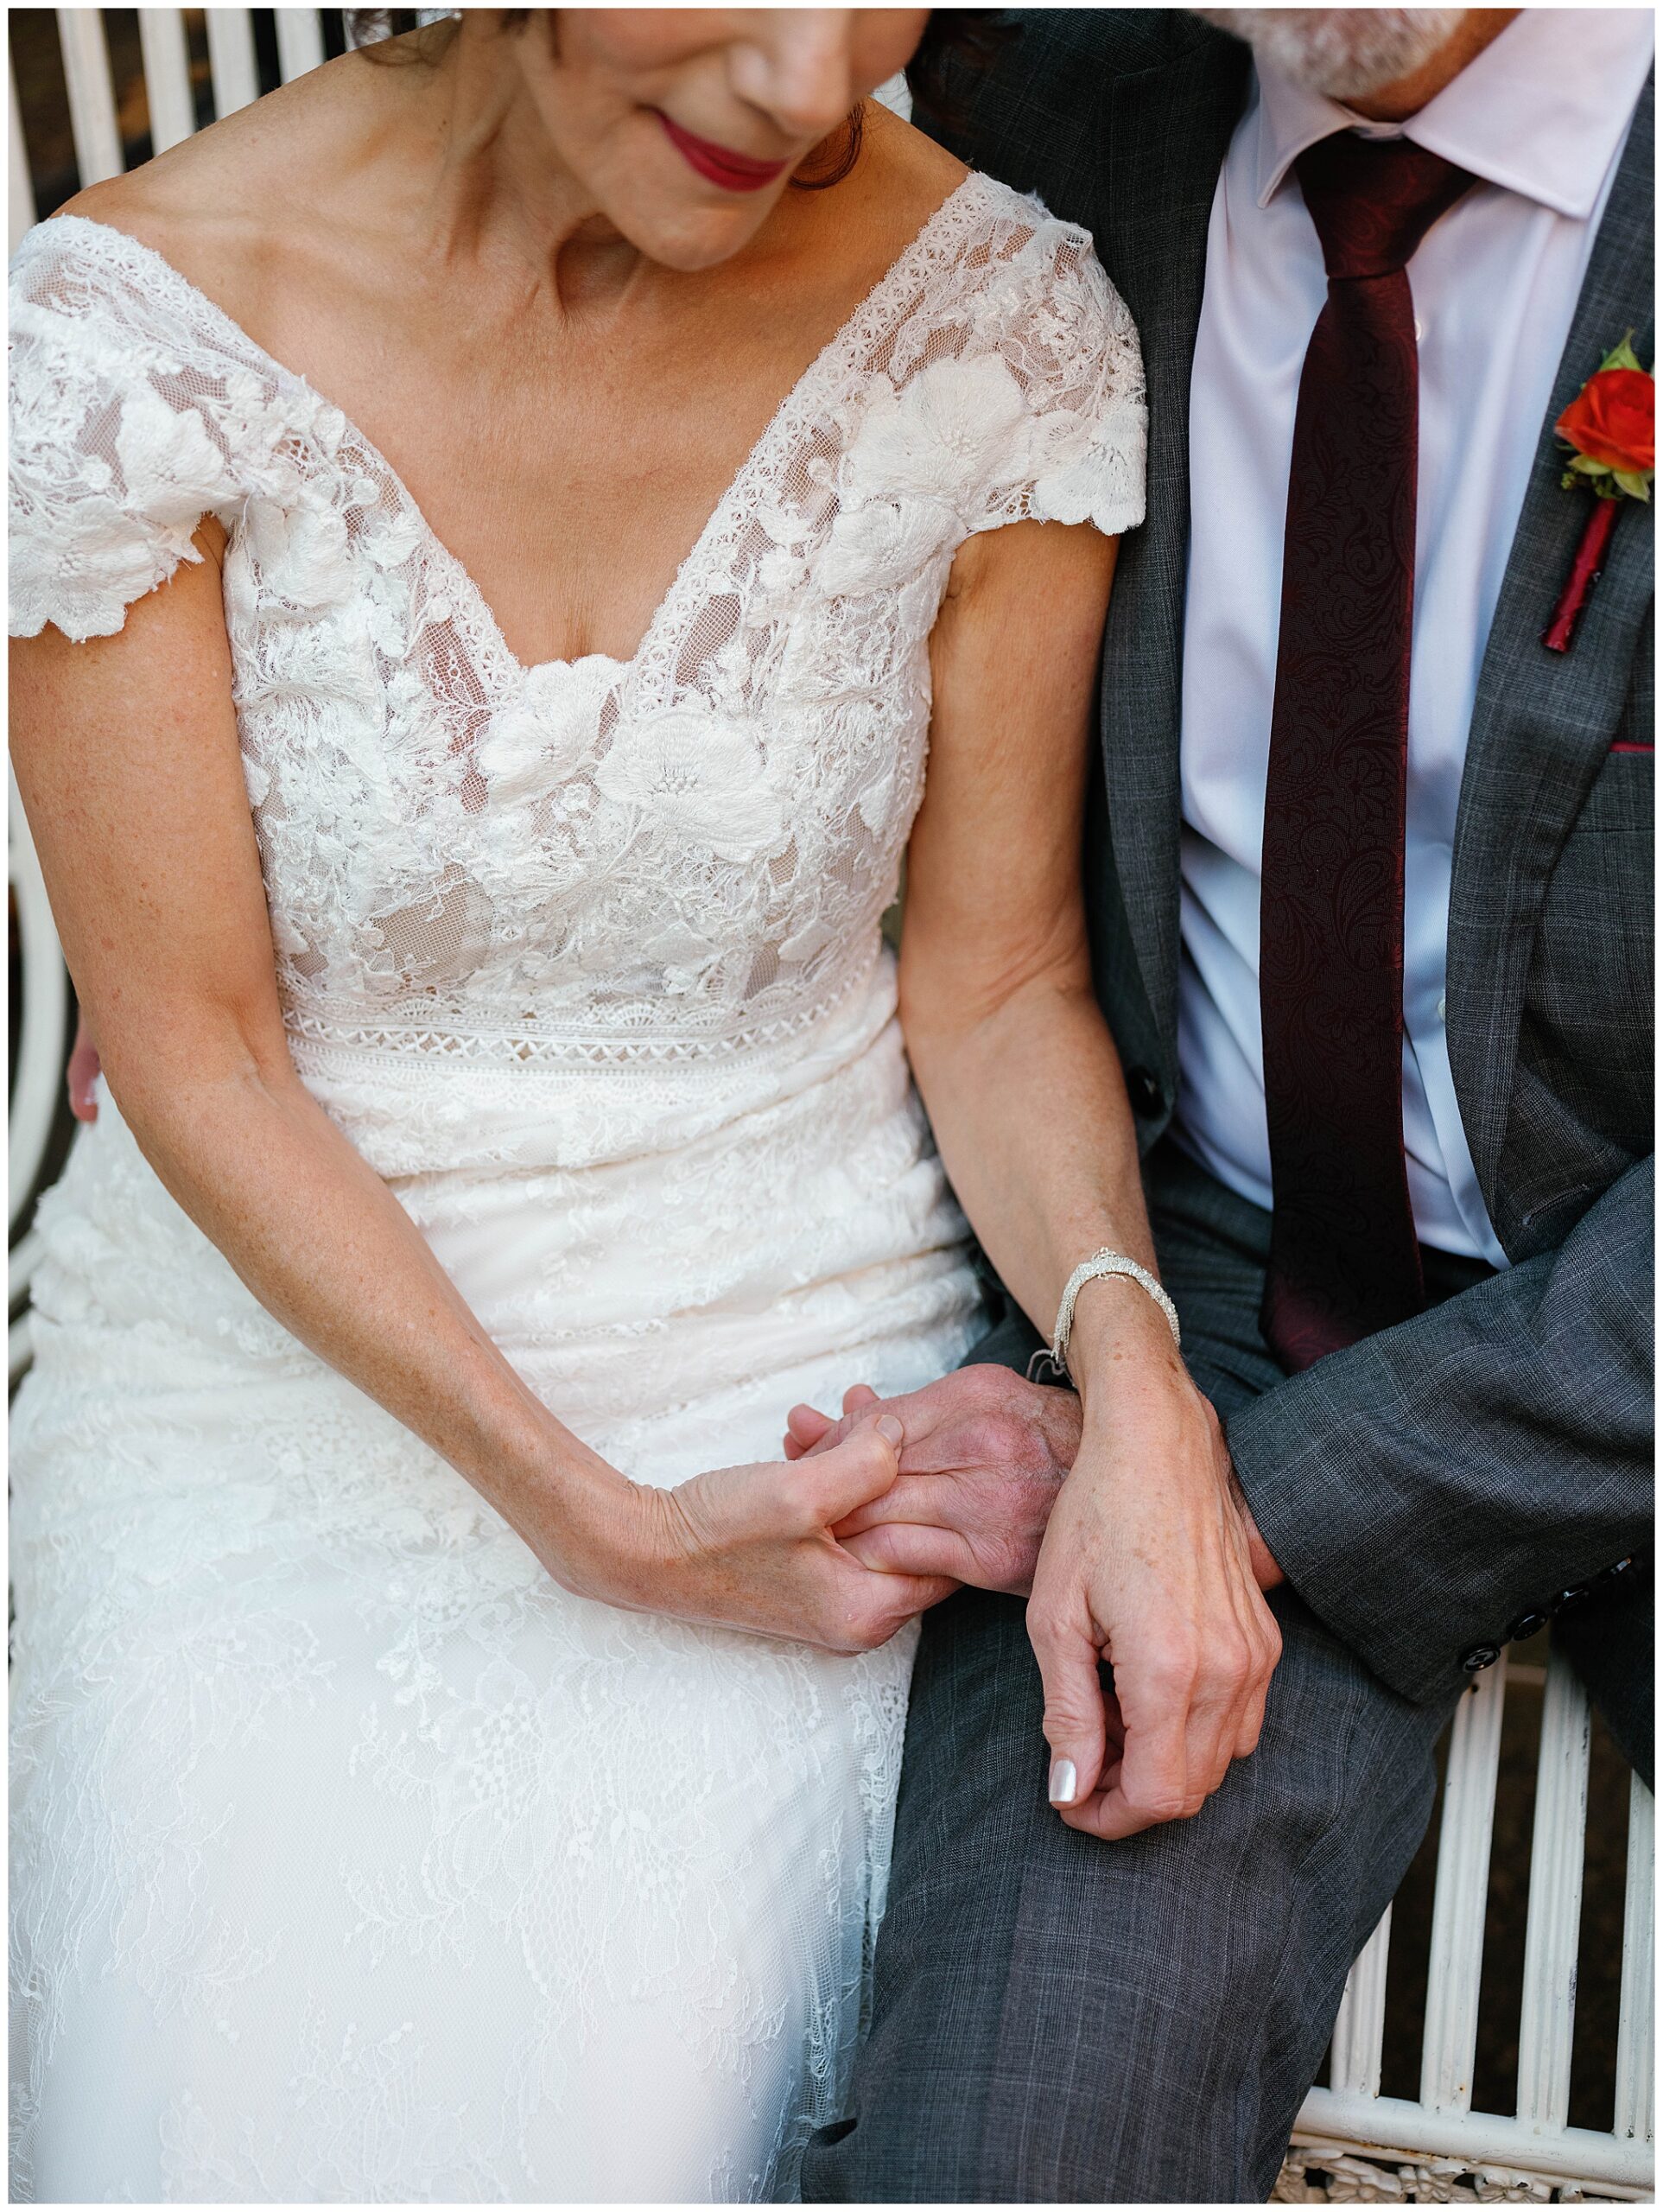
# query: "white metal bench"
[[1350, 2142]]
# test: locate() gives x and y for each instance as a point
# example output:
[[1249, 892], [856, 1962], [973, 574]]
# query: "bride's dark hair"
[[952, 35]]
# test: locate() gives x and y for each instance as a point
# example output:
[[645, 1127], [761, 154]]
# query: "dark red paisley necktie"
[[1344, 1260]]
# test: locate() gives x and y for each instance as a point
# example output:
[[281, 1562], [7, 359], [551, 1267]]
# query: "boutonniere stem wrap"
[[1610, 429]]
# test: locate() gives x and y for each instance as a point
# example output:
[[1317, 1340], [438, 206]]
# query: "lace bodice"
[[586, 862]]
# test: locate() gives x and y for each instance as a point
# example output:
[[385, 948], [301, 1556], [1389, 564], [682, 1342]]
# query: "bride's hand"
[[752, 1547]]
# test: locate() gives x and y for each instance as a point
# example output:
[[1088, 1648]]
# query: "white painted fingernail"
[[1064, 1781], [890, 1429]]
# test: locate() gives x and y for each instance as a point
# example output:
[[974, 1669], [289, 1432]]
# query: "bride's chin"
[[644, 192], [690, 235]]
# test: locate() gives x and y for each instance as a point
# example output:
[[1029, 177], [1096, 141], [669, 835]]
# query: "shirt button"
[[1442, 1014], [1420, 330], [1479, 1657]]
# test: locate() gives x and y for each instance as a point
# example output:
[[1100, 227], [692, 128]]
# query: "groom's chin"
[[1343, 53]]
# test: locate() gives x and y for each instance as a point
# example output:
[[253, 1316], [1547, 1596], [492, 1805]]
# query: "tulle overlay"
[[352, 1859]]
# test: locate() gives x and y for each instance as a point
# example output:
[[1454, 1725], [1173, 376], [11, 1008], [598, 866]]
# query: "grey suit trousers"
[[1061, 2020]]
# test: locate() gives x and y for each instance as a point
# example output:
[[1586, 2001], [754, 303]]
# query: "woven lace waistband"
[[531, 1044]]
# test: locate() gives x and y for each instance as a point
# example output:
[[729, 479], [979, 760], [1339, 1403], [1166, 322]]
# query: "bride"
[[494, 525]]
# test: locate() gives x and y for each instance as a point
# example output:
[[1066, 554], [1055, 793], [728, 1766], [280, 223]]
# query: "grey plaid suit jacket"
[[1431, 1490]]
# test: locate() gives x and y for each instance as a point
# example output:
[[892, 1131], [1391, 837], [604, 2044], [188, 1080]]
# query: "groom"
[[1408, 1228]]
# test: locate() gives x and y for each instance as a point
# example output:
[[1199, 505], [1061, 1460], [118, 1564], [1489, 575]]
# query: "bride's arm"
[[1146, 1555], [1008, 1045], [126, 755]]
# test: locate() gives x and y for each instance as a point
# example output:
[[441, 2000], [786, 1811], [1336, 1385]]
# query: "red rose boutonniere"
[[1611, 429]]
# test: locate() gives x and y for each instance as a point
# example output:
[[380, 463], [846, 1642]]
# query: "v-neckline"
[[460, 579]]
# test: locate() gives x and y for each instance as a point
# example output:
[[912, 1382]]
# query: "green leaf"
[[1636, 486], [1622, 357], [1585, 465]]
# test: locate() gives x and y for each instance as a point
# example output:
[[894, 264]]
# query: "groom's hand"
[[1152, 1562], [983, 1459]]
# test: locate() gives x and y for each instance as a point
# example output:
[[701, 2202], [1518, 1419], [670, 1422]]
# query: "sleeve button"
[[1478, 1656], [1526, 1624], [1566, 1598], [1144, 1091], [1617, 1570]]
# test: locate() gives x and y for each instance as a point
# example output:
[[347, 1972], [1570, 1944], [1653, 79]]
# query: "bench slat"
[[93, 123], [231, 59], [1459, 1898], [1360, 2026], [19, 184], [300, 41], [167, 58], [1636, 2076], [1553, 1927], [43, 1032]]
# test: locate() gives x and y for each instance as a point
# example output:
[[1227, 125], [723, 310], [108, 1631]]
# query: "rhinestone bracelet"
[[1092, 1270]]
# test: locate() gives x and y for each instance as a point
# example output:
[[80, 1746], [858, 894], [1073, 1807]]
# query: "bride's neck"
[[499, 190]]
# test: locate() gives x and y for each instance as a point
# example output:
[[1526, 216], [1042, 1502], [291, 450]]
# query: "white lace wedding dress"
[[352, 1860]]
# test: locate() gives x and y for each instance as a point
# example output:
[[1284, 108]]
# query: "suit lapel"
[[1169, 129], [1542, 722]]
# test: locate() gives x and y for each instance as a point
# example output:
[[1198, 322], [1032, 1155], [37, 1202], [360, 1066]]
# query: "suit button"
[[1144, 1091], [1566, 1598], [1480, 1656], [1526, 1624], [1618, 1569]]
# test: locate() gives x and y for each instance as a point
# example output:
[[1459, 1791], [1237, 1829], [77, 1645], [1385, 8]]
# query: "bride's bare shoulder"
[[228, 206], [903, 167]]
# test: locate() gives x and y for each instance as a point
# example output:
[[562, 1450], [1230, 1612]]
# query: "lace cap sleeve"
[[1064, 373], [123, 434], [1018, 396]]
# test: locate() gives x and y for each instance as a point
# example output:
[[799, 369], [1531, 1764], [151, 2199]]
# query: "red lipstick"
[[720, 165]]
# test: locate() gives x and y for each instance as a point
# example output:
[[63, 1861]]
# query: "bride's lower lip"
[[733, 172]]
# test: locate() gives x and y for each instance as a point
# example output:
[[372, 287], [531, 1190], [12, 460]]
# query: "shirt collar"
[[1542, 111]]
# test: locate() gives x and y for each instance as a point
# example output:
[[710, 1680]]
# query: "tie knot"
[[1373, 200]]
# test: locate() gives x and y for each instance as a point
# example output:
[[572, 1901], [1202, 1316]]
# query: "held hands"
[[1125, 1518], [984, 1458], [752, 1547]]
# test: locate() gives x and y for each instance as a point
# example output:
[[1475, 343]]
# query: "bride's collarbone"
[[571, 484], [571, 464], [569, 461]]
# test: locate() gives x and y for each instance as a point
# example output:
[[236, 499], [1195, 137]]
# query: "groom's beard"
[[1345, 52]]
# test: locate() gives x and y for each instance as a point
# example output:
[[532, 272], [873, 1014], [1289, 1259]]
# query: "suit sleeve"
[[1427, 1488]]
